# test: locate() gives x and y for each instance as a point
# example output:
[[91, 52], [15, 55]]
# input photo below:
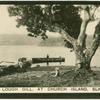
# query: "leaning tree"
[[64, 19]]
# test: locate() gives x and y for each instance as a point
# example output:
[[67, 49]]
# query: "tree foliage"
[[39, 18], [64, 19]]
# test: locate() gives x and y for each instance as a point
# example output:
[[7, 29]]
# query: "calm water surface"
[[12, 53]]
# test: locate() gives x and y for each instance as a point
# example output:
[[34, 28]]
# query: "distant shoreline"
[[23, 39]]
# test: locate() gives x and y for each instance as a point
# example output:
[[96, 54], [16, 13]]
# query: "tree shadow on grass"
[[68, 78]]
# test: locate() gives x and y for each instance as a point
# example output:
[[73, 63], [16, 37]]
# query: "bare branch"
[[65, 35], [92, 12], [96, 42], [94, 46], [88, 16], [85, 21]]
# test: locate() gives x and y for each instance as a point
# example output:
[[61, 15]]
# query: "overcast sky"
[[8, 24]]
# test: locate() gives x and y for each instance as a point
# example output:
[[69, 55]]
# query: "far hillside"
[[18, 39], [56, 41], [23, 39]]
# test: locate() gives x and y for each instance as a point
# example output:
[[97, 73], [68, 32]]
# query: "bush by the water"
[[11, 69]]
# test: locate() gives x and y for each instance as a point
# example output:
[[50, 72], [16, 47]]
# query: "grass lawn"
[[44, 77]]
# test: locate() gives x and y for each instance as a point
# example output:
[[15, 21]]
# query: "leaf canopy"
[[38, 18]]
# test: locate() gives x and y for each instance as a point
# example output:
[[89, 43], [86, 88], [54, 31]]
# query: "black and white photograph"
[[50, 47]]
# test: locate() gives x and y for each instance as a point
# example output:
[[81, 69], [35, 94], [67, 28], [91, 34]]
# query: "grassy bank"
[[44, 76]]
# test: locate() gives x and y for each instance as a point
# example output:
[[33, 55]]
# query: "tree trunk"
[[82, 59], [83, 74], [83, 63]]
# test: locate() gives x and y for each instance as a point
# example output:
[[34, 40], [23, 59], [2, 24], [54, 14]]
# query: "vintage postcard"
[[50, 48]]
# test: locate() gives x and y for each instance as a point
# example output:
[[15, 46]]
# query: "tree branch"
[[94, 46], [65, 35], [93, 12], [85, 20], [96, 42]]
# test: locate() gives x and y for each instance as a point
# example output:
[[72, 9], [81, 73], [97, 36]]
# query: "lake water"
[[12, 53]]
